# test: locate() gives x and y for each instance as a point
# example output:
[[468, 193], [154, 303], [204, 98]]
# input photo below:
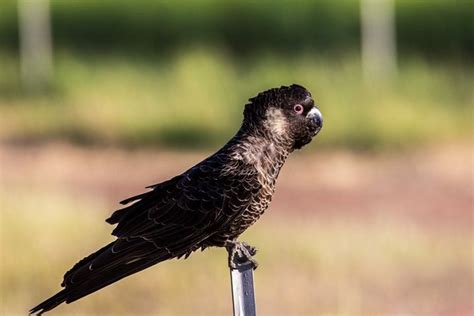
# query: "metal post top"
[[243, 294], [242, 265]]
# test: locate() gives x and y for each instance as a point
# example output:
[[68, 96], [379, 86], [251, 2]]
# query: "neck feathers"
[[264, 154]]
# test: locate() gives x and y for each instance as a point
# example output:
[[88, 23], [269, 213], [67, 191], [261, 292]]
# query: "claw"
[[240, 253]]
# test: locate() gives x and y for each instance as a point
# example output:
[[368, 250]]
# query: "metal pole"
[[379, 48], [243, 295], [35, 44]]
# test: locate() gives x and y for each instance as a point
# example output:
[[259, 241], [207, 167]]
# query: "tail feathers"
[[73, 293], [50, 303], [101, 269], [85, 261], [63, 295], [110, 277]]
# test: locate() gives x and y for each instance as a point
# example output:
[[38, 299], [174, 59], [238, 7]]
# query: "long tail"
[[113, 262]]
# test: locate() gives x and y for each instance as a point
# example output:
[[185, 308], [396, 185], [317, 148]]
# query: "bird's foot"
[[239, 253]]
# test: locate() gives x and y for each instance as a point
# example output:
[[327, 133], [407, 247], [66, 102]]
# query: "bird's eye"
[[298, 108]]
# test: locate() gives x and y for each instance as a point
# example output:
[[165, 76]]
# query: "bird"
[[209, 205]]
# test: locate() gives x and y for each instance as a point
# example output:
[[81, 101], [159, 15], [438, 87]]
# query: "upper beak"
[[316, 116]]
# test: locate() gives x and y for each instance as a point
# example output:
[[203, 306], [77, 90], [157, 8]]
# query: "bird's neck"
[[272, 129], [265, 151]]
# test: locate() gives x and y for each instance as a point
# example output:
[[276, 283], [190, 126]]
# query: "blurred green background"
[[374, 217]]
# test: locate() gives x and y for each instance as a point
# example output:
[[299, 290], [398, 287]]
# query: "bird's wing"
[[185, 210]]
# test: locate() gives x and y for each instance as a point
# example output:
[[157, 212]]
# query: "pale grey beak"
[[316, 116]]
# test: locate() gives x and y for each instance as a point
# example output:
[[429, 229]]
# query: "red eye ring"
[[298, 108]]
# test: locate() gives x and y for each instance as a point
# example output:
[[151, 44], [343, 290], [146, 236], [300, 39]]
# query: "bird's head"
[[288, 114]]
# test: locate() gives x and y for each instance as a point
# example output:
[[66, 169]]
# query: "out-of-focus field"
[[347, 234], [375, 217], [195, 99]]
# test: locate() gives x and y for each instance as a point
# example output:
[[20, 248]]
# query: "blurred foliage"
[[196, 98], [127, 71], [435, 27]]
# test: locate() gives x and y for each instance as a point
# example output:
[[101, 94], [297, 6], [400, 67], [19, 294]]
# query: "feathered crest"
[[276, 97]]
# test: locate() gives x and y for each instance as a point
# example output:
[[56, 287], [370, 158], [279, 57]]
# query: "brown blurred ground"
[[347, 233], [433, 186]]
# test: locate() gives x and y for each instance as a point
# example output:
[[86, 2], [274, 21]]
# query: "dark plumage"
[[210, 204]]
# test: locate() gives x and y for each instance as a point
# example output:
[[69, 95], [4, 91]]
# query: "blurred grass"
[[345, 267], [195, 99]]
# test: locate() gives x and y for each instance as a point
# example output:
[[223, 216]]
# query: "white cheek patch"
[[276, 121]]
